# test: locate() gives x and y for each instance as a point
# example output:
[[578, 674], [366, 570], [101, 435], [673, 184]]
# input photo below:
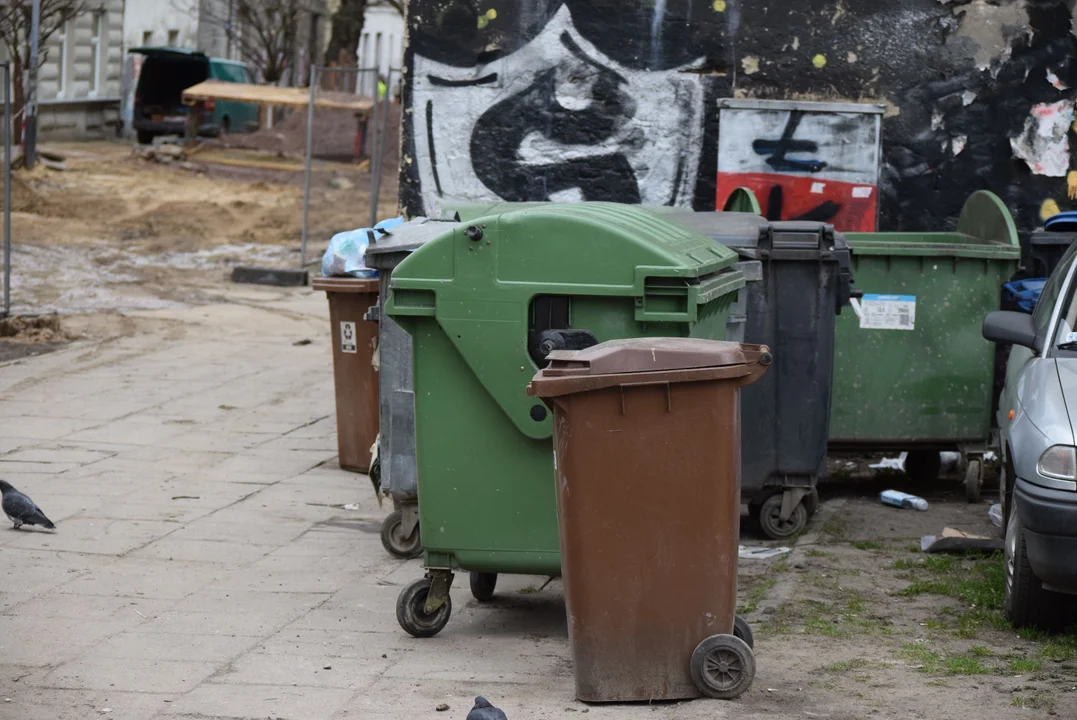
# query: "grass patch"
[[835, 527], [1035, 701], [817, 553], [868, 545], [843, 666], [755, 596], [978, 583], [818, 626], [933, 663], [1022, 665]]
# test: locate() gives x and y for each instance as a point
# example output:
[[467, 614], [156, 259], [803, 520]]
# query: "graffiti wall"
[[619, 100], [803, 161]]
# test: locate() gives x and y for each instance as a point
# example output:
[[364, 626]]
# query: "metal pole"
[[375, 184], [306, 169], [7, 188], [30, 116]]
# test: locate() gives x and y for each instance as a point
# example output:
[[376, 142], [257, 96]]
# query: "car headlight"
[[1058, 462]]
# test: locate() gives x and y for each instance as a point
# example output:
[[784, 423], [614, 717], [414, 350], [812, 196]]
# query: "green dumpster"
[[485, 303], [912, 370]]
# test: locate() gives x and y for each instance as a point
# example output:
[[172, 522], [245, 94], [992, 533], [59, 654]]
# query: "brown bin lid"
[[635, 355], [346, 284], [636, 360]]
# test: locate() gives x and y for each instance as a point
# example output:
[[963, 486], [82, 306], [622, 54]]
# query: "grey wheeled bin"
[[395, 467], [797, 282]]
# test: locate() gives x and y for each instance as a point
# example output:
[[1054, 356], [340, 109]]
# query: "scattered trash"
[[442, 707], [304, 341], [186, 497], [327, 667], [896, 498], [139, 614], [995, 513], [956, 541], [948, 461], [351, 506], [760, 553], [344, 256], [106, 711], [897, 463]]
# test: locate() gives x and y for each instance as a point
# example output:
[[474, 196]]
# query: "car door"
[[1017, 391]]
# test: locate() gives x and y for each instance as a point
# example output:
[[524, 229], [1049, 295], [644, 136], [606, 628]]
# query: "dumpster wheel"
[[482, 586], [974, 480], [723, 667], [770, 519], [395, 542], [411, 610], [743, 630]]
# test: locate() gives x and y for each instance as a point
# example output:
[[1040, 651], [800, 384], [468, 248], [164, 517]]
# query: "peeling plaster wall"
[[616, 99]]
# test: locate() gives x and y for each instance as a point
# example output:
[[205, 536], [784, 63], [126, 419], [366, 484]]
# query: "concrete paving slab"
[[225, 700], [164, 676]]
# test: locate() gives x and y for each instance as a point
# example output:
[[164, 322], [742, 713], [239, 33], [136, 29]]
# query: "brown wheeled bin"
[[647, 468], [355, 372]]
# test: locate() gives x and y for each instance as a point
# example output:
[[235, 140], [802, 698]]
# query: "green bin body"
[[911, 367], [474, 306]]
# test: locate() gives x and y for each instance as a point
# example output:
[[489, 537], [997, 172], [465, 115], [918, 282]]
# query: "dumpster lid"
[[637, 355], [409, 236]]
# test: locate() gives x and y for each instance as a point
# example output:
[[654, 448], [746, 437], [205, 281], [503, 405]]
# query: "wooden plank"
[[272, 95]]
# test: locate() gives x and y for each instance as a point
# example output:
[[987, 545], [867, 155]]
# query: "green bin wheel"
[[923, 466], [742, 630], [395, 542], [811, 502], [723, 667], [482, 586], [773, 526], [974, 481], [411, 611]]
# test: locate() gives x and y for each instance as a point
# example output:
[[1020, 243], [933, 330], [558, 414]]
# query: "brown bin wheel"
[[482, 586], [395, 542], [723, 667], [771, 523], [743, 630], [411, 611]]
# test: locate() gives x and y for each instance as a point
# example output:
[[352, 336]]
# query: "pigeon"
[[21, 510], [483, 710]]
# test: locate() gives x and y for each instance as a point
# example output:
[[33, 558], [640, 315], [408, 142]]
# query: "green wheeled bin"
[[912, 371], [485, 303]]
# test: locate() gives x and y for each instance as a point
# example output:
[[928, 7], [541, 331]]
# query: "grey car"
[[1039, 470]]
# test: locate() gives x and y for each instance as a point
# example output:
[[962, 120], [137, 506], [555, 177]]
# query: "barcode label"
[[888, 312]]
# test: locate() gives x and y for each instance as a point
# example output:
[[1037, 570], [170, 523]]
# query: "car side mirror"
[[1017, 328]]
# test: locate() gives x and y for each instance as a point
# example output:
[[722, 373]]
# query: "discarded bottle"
[[902, 500]]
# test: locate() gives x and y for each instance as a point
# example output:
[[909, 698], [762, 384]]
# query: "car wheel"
[[1026, 603]]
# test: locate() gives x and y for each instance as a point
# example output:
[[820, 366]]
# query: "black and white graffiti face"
[[557, 119]]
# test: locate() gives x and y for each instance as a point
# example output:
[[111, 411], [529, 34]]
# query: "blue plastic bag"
[[344, 256]]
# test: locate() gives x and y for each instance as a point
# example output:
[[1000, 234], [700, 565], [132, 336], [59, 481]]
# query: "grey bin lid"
[[389, 249]]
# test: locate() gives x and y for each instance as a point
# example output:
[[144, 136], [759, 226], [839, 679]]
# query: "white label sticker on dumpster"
[[347, 337], [888, 312]]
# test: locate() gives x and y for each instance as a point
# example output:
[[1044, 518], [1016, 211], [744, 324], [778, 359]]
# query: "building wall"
[[74, 101], [381, 46], [160, 23], [617, 99]]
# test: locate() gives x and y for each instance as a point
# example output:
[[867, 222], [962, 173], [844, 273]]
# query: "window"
[[147, 37], [62, 36], [173, 38], [97, 43]]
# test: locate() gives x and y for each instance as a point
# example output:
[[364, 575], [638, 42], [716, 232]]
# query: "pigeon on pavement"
[[483, 710], [21, 510]]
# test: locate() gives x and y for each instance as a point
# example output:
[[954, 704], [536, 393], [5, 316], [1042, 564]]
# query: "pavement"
[[204, 564]]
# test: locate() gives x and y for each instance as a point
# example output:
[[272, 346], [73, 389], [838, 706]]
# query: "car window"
[[230, 73], [1051, 290]]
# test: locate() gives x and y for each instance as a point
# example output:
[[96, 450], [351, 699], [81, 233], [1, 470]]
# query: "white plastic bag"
[[344, 257]]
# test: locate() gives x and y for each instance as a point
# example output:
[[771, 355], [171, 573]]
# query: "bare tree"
[[15, 34], [266, 32]]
